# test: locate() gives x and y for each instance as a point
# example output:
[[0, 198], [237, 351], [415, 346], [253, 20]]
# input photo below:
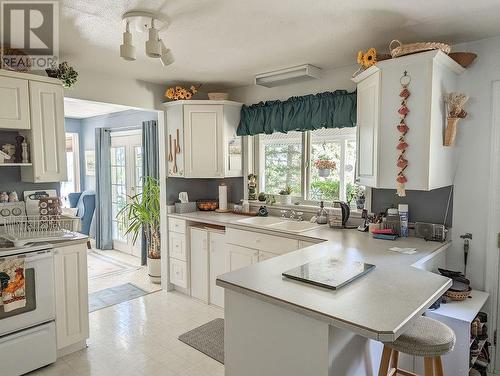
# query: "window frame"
[[306, 165]]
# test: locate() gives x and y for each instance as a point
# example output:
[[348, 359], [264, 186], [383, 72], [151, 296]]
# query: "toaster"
[[430, 231]]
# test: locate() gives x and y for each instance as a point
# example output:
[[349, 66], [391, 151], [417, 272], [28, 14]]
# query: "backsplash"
[[10, 180], [198, 189], [425, 206]]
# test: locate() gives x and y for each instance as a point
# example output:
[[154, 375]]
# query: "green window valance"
[[323, 110]]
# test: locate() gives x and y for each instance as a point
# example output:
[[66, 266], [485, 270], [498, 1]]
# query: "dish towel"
[[12, 284]]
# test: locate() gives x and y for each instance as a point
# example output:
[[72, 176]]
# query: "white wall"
[[101, 87], [472, 179]]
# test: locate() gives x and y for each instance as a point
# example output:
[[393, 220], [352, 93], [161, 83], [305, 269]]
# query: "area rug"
[[208, 339], [114, 295], [103, 266]]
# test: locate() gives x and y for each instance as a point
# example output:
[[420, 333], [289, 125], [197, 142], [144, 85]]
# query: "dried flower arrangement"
[[325, 164], [179, 93], [368, 58], [455, 103]]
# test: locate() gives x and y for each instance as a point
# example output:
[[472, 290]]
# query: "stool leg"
[[394, 359], [429, 366], [384, 362], [438, 366]]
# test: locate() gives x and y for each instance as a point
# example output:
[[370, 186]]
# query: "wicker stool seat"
[[427, 338]]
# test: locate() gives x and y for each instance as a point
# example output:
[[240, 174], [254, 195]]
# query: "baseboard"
[[71, 349]]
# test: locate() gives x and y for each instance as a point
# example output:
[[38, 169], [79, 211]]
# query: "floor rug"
[[102, 266], [208, 339], [114, 295]]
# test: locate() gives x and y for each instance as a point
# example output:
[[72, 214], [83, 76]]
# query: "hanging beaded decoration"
[[403, 129]]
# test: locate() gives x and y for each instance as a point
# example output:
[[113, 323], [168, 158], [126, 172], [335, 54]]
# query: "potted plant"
[[143, 214], [285, 195], [324, 167], [360, 198], [65, 73]]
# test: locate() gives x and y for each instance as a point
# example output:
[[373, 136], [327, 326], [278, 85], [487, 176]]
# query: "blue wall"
[[86, 130]]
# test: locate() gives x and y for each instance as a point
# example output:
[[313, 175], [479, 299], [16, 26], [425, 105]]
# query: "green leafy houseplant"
[[143, 214], [286, 191], [65, 73]]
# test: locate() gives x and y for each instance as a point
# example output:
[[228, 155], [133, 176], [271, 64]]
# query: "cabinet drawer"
[[179, 273], [177, 225], [263, 242], [177, 246]]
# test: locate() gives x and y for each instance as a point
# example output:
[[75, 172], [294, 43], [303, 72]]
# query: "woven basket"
[[23, 63], [398, 49], [463, 58], [458, 295], [218, 96]]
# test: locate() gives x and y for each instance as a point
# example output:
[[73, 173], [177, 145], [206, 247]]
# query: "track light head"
[[167, 57], [127, 49], [153, 46]]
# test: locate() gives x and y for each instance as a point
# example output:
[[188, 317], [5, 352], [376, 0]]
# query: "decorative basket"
[[21, 62], [207, 205], [463, 58], [450, 132], [458, 295], [218, 96], [399, 49]]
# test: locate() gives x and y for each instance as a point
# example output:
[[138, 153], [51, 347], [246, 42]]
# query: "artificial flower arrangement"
[[325, 164], [179, 93], [455, 104], [368, 58]]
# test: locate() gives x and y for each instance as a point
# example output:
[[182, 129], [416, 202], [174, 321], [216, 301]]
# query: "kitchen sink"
[[294, 226], [280, 224], [261, 221]]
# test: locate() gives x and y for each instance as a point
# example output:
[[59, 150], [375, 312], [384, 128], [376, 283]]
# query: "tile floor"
[[139, 337]]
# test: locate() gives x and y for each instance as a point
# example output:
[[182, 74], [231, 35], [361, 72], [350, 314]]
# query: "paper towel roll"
[[222, 197]]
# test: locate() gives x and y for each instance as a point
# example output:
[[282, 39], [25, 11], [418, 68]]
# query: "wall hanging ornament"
[[402, 127]]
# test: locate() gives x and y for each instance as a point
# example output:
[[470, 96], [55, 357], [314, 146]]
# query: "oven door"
[[40, 300]]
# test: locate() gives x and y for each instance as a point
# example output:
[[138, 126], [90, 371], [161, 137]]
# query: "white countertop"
[[33, 247], [378, 305]]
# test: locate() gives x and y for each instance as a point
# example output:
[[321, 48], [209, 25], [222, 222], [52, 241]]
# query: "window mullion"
[[306, 164], [342, 185]]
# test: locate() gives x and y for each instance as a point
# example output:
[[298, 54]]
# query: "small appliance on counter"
[[430, 231], [339, 220]]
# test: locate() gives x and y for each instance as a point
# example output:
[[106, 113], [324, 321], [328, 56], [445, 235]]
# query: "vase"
[[52, 73], [154, 269], [285, 199], [451, 131], [323, 172], [360, 203]]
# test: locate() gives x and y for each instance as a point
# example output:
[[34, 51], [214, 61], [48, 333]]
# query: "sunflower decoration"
[[366, 60], [179, 93]]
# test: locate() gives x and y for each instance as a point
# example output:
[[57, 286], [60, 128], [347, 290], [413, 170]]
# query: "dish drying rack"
[[39, 228]]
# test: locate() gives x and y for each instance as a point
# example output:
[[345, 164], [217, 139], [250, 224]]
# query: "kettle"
[[340, 221]]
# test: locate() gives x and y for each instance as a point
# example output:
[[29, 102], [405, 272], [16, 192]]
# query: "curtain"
[[324, 110], [103, 216], [149, 165]]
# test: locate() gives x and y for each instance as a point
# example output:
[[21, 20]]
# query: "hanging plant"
[[64, 72], [324, 167]]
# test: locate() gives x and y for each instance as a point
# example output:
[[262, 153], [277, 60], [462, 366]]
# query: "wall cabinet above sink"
[[431, 165], [201, 139]]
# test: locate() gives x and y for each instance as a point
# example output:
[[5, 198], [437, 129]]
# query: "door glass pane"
[[282, 157], [138, 168], [118, 192]]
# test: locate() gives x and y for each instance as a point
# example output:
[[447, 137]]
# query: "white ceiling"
[[226, 42], [81, 109]]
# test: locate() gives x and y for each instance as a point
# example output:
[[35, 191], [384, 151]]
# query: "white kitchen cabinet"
[[177, 246], [217, 243], [14, 103], [47, 140], [431, 165], [238, 257], [178, 252], [71, 292], [205, 132], [199, 263], [263, 255]]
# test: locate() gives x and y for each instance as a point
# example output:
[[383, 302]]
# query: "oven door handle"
[[34, 256]]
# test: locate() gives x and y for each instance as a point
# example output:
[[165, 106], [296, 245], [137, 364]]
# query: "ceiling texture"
[[225, 43]]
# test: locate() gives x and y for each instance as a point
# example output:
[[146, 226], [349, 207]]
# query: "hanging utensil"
[[175, 157], [178, 147], [170, 158]]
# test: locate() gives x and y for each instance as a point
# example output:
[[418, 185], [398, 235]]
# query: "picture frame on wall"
[[90, 162]]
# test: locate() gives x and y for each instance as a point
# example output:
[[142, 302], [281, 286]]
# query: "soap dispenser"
[[322, 216]]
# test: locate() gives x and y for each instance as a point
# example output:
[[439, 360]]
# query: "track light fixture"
[[143, 21]]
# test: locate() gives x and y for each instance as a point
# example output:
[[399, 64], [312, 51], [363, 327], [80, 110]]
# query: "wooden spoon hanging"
[[175, 157], [178, 147], [170, 158]]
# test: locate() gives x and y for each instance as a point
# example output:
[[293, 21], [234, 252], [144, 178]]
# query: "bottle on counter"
[[322, 216], [403, 219]]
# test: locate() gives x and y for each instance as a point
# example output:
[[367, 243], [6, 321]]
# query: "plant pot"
[[154, 270], [52, 72], [451, 131], [285, 199], [323, 172]]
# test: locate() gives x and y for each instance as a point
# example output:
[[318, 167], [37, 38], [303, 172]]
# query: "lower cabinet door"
[[266, 255], [238, 257], [71, 287], [178, 273], [217, 266], [199, 263]]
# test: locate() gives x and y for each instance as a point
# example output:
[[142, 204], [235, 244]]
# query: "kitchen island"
[[275, 326]]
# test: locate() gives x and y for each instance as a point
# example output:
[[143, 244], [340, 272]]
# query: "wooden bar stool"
[[426, 338]]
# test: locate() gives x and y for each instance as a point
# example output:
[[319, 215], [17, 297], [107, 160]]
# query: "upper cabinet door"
[[48, 140], [368, 119], [203, 138], [14, 103]]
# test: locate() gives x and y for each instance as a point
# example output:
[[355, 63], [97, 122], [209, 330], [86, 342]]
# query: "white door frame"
[[492, 252]]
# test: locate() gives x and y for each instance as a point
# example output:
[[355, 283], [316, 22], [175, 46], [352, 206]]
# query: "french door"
[[126, 181]]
